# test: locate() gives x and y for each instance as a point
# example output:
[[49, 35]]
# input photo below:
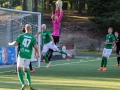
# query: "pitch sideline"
[[60, 64]]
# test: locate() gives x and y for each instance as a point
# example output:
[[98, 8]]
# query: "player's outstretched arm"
[[12, 43], [61, 14], [56, 10], [36, 51], [52, 39], [37, 34], [103, 43], [109, 43]]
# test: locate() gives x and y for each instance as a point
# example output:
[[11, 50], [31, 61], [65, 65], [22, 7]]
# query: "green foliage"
[[92, 48], [7, 3], [18, 8], [105, 13]]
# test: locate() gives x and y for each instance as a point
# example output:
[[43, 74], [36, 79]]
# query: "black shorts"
[[56, 39], [118, 51]]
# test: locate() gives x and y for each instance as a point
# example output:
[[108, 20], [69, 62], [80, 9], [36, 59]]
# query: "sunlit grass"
[[68, 75]]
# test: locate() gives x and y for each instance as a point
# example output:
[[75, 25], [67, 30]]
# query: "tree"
[[1, 3], [16, 3], [24, 5], [105, 13], [34, 5], [71, 4], [79, 6], [4, 4]]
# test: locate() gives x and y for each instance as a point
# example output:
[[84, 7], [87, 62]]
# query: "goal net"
[[11, 23]]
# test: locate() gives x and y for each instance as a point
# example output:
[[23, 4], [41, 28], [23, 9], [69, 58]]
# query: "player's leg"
[[20, 65], [56, 39], [27, 73], [55, 48], [44, 50], [105, 63], [118, 58], [31, 69], [46, 59], [119, 61], [106, 56], [49, 54], [50, 51], [102, 61]]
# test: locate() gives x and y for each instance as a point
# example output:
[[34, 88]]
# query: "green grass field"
[[78, 74]]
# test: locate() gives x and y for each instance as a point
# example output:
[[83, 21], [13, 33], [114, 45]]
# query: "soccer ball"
[[59, 3], [44, 61]]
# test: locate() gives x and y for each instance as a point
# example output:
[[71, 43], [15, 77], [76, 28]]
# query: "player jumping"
[[56, 20], [48, 44]]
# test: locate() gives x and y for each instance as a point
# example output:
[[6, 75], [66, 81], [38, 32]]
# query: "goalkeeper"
[[56, 20]]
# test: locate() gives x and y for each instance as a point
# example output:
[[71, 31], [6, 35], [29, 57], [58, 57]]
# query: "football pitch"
[[74, 74]]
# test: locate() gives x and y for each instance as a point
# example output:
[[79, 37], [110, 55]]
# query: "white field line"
[[60, 64], [77, 62]]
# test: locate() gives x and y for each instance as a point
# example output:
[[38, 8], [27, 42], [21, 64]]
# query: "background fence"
[[81, 39]]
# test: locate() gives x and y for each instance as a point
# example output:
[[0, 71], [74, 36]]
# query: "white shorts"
[[106, 52], [23, 63], [48, 46]]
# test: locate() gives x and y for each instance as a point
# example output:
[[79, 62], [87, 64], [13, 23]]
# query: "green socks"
[[62, 52], [20, 76], [104, 62], [27, 74], [44, 57]]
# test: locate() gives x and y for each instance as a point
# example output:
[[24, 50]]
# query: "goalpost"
[[11, 23]]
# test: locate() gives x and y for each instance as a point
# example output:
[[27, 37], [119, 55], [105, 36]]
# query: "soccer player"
[[18, 49], [107, 49], [27, 42], [56, 20], [48, 44], [117, 41]]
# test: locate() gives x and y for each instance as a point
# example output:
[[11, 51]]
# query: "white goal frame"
[[39, 27]]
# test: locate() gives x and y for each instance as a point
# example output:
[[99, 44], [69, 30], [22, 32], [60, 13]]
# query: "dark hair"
[[23, 29]]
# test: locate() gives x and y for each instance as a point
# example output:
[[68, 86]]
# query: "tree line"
[[105, 13]]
